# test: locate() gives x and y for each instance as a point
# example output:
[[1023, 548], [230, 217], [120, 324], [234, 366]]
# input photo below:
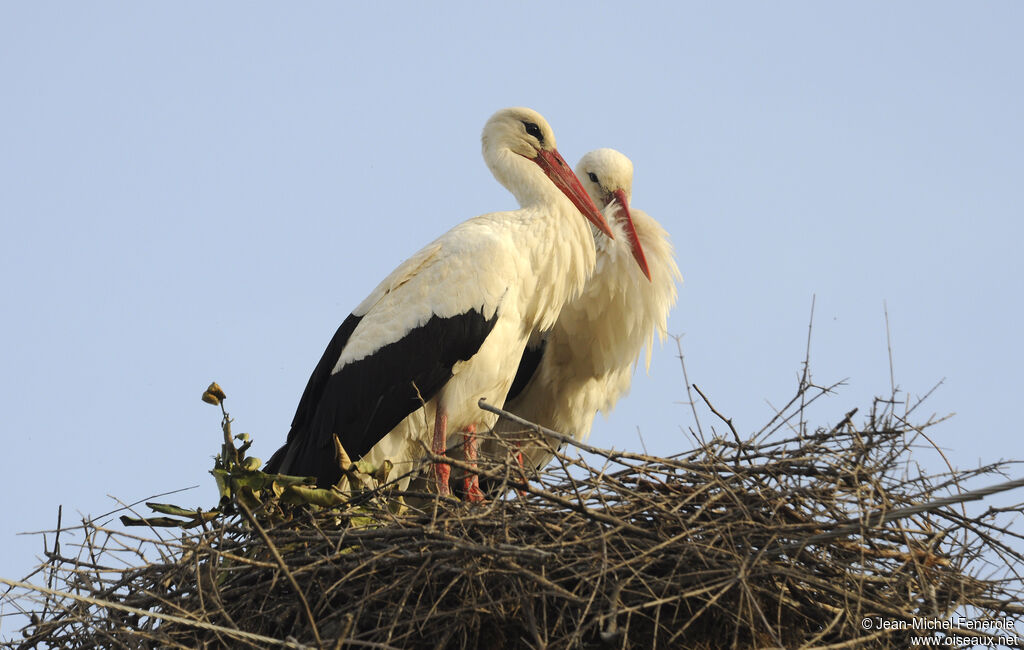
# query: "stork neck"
[[524, 179]]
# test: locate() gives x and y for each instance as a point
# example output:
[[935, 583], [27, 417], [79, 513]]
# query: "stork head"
[[607, 176], [522, 134]]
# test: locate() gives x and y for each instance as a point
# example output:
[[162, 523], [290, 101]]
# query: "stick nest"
[[790, 538]]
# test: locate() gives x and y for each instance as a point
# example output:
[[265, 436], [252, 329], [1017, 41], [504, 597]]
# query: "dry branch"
[[763, 542]]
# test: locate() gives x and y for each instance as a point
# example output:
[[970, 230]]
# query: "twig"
[[876, 518], [888, 344], [686, 380], [237, 634], [728, 421], [284, 569], [805, 376]]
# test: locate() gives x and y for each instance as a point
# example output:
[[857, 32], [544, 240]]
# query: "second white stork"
[[450, 324], [585, 363]]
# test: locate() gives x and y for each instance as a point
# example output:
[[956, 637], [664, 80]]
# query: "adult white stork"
[[450, 324], [585, 363]]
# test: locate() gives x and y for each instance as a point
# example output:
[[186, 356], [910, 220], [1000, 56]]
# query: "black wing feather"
[[366, 399], [527, 368]]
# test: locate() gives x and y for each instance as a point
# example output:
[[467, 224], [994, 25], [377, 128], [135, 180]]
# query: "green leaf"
[[249, 497], [364, 522], [247, 478], [364, 467], [252, 464], [162, 522], [201, 517], [302, 494], [286, 479], [168, 509], [223, 482], [382, 472]]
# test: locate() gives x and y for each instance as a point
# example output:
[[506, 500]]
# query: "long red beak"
[[634, 241], [561, 175]]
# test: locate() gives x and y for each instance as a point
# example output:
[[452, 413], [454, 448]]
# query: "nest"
[[790, 538]]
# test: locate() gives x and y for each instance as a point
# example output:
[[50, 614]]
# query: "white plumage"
[[589, 355], [449, 325]]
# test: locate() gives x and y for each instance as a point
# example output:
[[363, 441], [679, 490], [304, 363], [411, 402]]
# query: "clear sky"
[[203, 191]]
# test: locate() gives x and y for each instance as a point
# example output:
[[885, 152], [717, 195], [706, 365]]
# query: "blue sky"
[[197, 192]]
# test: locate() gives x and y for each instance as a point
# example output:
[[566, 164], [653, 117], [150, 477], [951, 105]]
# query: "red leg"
[[522, 470], [441, 470], [472, 481]]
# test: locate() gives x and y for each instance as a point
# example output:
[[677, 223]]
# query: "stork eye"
[[534, 130], [593, 177]]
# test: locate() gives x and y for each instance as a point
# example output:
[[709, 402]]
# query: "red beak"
[[564, 179], [634, 241]]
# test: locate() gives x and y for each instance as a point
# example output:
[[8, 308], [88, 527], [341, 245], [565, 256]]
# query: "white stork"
[[585, 363], [450, 324]]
